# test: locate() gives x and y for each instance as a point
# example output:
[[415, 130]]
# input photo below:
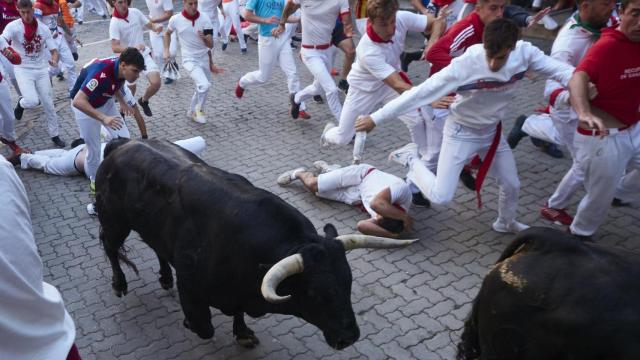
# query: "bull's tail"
[[469, 345], [122, 257], [114, 144]]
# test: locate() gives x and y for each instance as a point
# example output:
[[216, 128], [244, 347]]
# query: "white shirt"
[[32, 54], [319, 18], [483, 96], [193, 48], [129, 32], [376, 61], [209, 7], [158, 7], [33, 320], [377, 181], [570, 46]]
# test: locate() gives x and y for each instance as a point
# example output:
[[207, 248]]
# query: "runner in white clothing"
[[213, 8], [231, 16], [559, 126], [35, 323], [194, 29], [71, 162], [126, 30], [160, 11], [485, 79], [385, 197], [7, 118], [318, 21], [31, 39], [271, 49], [376, 77]]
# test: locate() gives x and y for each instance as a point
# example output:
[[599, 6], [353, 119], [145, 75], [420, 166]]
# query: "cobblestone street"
[[409, 303]]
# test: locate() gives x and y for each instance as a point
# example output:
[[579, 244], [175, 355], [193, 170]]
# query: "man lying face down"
[[385, 197]]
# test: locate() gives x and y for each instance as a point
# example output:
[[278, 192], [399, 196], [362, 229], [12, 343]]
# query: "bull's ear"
[[330, 231]]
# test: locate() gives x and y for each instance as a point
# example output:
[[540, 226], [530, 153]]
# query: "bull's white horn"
[[358, 241], [281, 270]]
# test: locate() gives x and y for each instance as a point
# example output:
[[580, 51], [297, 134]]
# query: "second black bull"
[[233, 246]]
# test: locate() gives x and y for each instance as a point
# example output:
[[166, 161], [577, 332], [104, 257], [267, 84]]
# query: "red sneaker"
[[305, 115], [239, 91], [558, 216], [334, 72]]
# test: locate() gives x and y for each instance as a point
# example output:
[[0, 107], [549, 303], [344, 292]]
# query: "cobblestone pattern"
[[409, 303]]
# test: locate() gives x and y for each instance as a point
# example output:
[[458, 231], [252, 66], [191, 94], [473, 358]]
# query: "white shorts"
[[149, 64]]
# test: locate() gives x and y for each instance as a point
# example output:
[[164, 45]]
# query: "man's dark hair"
[[76, 142], [381, 9], [23, 4], [131, 56], [391, 225], [499, 35]]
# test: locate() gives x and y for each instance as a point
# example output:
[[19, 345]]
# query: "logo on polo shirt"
[[92, 85]]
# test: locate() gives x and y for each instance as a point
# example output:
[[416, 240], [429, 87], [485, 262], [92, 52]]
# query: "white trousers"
[[361, 26], [319, 64], [272, 51], [360, 102], [66, 63], [157, 47], [53, 161], [90, 132], [201, 74], [9, 73], [604, 161], [71, 40], [434, 121], [7, 120], [231, 16], [97, 6], [342, 184], [35, 86], [459, 144], [559, 128]]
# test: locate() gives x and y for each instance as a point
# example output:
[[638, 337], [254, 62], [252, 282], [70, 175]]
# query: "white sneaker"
[[323, 167], [404, 154], [199, 117], [548, 23], [91, 210], [513, 227], [288, 176], [327, 127]]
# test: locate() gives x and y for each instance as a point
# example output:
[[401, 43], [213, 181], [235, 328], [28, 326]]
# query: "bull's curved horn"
[[281, 270], [358, 241]]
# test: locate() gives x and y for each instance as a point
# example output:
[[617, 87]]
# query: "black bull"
[[221, 235], [551, 296]]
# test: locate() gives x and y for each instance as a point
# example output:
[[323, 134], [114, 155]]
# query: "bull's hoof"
[[248, 341], [166, 283], [119, 290]]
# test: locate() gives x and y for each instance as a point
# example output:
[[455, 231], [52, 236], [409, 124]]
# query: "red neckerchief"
[[192, 18], [120, 16], [373, 36], [30, 30]]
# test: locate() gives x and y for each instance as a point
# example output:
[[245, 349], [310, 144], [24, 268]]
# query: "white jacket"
[[483, 96]]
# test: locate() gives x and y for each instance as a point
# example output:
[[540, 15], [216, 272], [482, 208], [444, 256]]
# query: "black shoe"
[[619, 203], [60, 76], [122, 114], [168, 81], [318, 99], [145, 107], [343, 85], [553, 150], [296, 38], [224, 46], [293, 46], [294, 109], [418, 200], [407, 58], [18, 111], [467, 179], [537, 142], [104, 16], [80, 22], [516, 134], [59, 143], [75, 56], [14, 158]]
